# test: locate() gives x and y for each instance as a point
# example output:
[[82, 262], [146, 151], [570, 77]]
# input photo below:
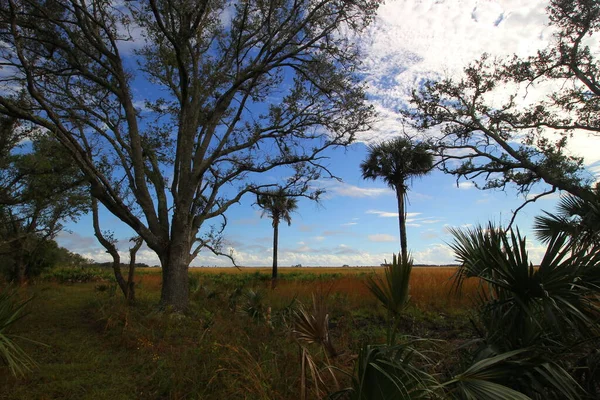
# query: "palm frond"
[[391, 372], [521, 303], [312, 326], [392, 291], [11, 310], [519, 374]]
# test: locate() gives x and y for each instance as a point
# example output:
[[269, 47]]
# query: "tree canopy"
[[40, 189], [214, 93], [497, 143]]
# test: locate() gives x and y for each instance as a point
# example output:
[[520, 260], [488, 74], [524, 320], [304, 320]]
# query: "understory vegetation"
[[494, 328], [236, 340]]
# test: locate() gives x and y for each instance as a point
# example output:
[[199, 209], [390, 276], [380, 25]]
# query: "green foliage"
[[11, 310], [392, 291], [396, 162], [391, 372], [277, 205], [519, 374], [252, 304], [522, 304], [578, 218], [77, 275]]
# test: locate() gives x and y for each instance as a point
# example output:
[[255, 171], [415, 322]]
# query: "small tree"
[[396, 162], [278, 206], [40, 188]]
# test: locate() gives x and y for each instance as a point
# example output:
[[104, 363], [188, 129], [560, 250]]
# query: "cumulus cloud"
[[436, 254]]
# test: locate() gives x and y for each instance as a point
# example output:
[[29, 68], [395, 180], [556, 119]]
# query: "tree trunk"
[[130, 292], [175, 289], [275, 242], [402, 222]]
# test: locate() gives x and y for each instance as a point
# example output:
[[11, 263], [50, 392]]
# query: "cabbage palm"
[[278, 206], [396, 162], [579, 218]]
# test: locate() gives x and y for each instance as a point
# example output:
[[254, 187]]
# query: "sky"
[[356, 222]]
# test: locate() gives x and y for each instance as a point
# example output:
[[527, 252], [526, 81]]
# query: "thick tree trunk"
[[402, 223], [275, 243], [175, 290]]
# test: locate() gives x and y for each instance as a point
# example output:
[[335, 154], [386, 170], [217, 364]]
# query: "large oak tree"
[[171, 135]]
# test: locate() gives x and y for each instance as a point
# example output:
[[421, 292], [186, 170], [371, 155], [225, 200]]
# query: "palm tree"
[[278, 205], [396, 161], [578, 218]]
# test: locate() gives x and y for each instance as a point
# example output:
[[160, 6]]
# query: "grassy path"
[[78, 362]]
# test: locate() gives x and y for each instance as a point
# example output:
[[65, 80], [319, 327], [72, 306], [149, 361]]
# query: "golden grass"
[[430, 287]]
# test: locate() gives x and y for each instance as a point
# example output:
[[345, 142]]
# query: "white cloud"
[[387, 214], [413, 40], [347, 190], [437, 254], [382, 237], [466, 185], [349, 224]]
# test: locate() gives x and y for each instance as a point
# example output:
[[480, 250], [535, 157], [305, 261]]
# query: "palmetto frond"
[[312, 325], [515, 375], [392, 291], [11, 354], [522, 303], [579, 218], [392, 372]]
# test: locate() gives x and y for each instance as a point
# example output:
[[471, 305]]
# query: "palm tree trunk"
[[400, 195], [275, 242]]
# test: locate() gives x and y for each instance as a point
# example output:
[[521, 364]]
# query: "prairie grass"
[[99, 348]]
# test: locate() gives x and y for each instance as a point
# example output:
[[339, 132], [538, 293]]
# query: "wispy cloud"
[[411, 218], [335, 188], [382, 237], [415, 40], [305, 228], [388, 214]]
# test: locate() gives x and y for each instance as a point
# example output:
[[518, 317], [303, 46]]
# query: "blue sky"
[[356, 221]]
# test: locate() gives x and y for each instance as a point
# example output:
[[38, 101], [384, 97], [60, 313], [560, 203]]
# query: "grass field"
[[98, 348]]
